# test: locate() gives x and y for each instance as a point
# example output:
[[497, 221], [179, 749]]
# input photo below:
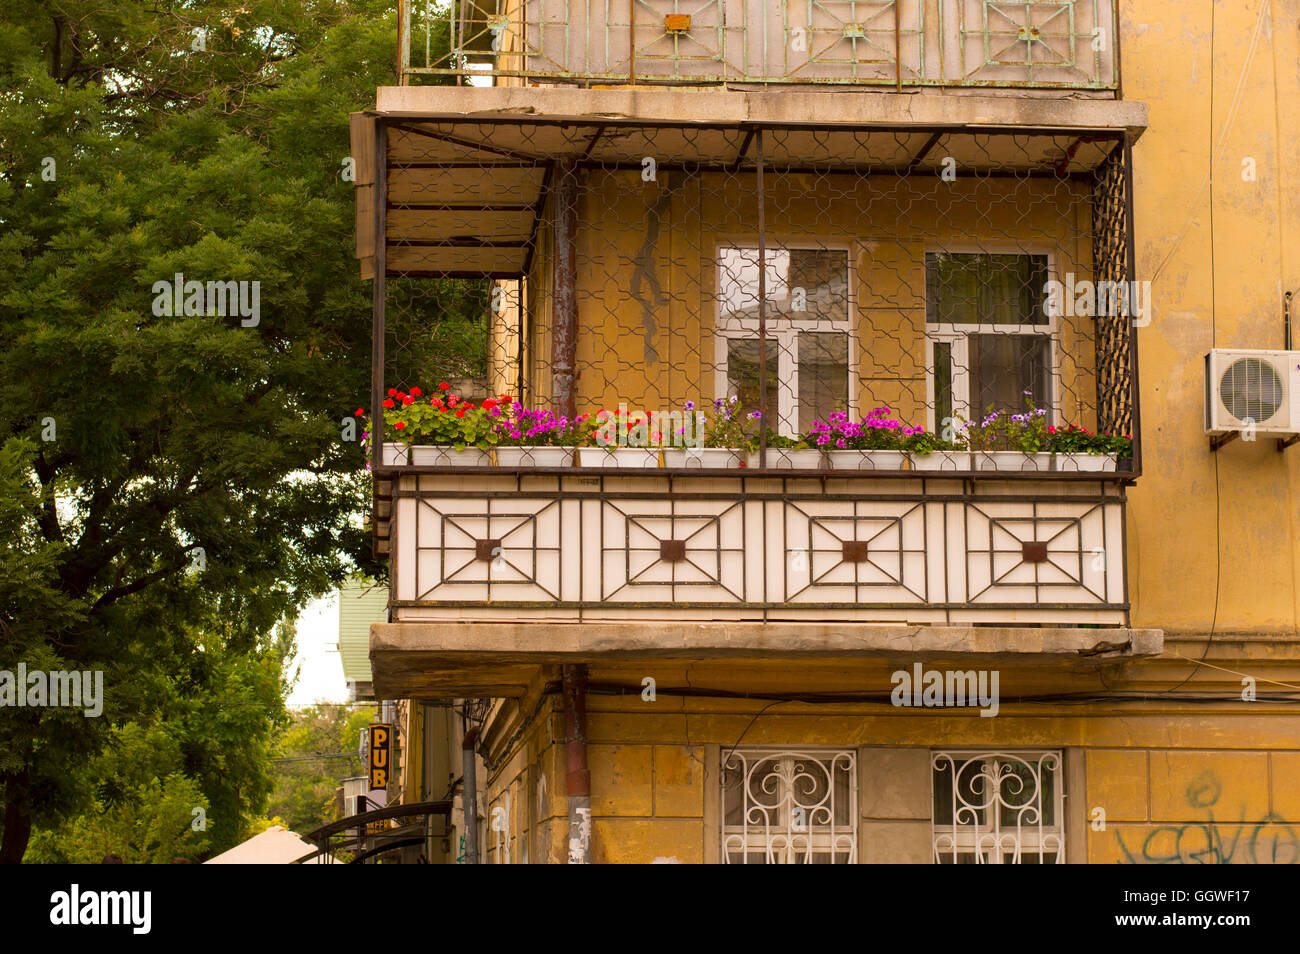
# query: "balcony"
[[892, 44], [805, 268]]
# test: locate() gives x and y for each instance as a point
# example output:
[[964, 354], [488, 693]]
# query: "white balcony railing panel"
[[932, 550]]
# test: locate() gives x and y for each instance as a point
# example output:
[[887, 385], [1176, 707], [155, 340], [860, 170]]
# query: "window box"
[[788, 458], [1011, 460], [941, 460], [431, 456], [527, 456], [866, 459], [632, 458], [702, 458], [1094, 463]]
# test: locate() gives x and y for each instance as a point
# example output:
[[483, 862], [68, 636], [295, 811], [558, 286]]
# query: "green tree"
[[319, 748], [175, 484]]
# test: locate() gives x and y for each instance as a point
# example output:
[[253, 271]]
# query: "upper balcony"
[[1038, 45]]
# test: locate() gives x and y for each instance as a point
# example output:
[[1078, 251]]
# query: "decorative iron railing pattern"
[[789, 806], [984, 43], [1113, 262], [928, 550], [998, 808]]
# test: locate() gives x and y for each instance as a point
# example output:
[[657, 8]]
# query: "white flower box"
[[789, 458], [642, 458], [702, 458], [1011, 460], [866, 459], [423, 456], [1091, 463], [534, 456], [941, 460]]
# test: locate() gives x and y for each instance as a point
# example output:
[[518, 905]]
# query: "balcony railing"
[[1045, 44], [924, 550]]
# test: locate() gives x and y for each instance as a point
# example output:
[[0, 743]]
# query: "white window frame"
[[989, 841], [958, 337], [785, 840], [783, 333]]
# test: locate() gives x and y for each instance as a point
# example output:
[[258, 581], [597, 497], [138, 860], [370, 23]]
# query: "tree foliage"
[[173, 485]]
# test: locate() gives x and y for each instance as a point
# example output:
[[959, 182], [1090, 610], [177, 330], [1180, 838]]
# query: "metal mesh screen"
[[921, 277]]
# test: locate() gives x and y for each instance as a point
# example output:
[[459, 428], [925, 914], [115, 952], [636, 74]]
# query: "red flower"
[[399, 425], [505, 399], [489, 404], [452, 400], [392, 392], [408, 401], [360, 412], [444, 385], [416, 392], [460, 413], [388, 402]]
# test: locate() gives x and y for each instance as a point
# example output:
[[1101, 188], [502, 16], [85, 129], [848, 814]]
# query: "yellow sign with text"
[[381, 739]]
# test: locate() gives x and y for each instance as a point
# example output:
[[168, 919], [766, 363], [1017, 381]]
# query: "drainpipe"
[[469, 795], [564, 337], [578, 778]]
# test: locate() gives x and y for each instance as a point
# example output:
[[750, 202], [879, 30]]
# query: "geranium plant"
[[444, 420], [1073, 439], [877, 431], [519, 426]]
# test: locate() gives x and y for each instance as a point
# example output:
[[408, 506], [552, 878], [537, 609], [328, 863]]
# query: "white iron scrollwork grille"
[[789, 806], [998, 808]]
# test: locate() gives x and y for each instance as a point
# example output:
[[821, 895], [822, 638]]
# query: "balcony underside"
[[459, 659]]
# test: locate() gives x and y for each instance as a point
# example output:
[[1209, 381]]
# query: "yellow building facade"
[[792, 701]]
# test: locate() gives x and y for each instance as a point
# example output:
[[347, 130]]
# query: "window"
[[808, 319], [789, 806], [998, 808], [990, 338]]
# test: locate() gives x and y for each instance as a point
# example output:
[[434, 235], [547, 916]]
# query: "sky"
[[320, 667]]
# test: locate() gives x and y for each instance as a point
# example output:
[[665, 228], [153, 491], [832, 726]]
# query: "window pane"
[[1004, 367], [742, 373], [802, 283], [823, 375], [971, 288], [942, 383]]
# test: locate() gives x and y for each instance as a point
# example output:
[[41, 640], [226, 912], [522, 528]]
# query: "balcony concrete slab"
[[429, 660]]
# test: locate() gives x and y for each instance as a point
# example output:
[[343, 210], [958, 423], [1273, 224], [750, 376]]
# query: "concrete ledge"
[[722, 107], [501, 659], [569, 642]]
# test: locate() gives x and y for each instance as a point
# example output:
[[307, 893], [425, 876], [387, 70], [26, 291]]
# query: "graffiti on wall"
[[1270, 840]]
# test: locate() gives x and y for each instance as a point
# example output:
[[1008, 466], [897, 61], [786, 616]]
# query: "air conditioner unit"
[[1245, 389]]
